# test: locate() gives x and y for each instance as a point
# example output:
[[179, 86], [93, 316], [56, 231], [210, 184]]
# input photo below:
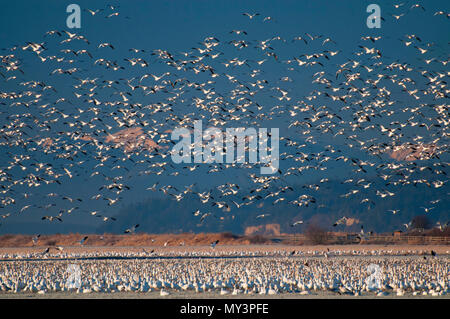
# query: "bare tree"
[[421, 222], [316, 234]]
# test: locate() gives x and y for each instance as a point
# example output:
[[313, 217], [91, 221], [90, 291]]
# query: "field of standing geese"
[[216, 274]]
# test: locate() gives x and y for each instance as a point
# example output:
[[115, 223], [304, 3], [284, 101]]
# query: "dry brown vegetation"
[[132, 240], [314, 235]]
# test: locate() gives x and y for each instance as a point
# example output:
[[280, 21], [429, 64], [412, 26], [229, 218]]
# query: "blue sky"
[[177, 24]]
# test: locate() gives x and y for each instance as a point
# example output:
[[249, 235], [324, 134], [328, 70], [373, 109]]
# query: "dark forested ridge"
[[328, 204]]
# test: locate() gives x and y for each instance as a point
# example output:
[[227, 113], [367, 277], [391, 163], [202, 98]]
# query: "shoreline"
[[268, 248]]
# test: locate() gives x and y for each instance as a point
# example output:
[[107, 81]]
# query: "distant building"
[[397, 233], [267, 230]]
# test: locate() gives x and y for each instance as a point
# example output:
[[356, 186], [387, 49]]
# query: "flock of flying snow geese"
[[78, 115]]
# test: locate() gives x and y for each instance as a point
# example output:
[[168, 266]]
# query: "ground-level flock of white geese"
[[363, 101], [401, 276]]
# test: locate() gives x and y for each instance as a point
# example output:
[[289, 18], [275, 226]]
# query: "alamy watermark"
[[220, 146], [74, 18], [374, 19], [373, 282], [74, 279]]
